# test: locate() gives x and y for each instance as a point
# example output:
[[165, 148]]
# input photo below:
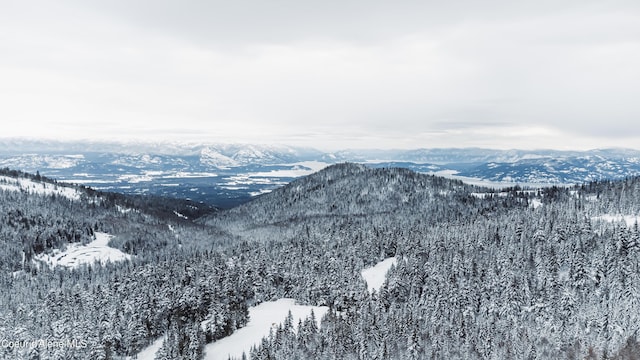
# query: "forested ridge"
[[479, 274]]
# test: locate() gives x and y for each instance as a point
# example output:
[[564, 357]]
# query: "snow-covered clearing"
[[261, 319], [124, 210], [34, 187], [630, 220], [76, 255], [148, 353], [535, 203], [376, 275], [488, 194]]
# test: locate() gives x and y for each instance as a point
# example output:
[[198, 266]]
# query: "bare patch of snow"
[[148, 353], [535, 203], [376, 275], [75, 254], [260, 192], [488, 194], [182, 174], [131, 178], [180, 215], [125, 210], [630, 220], [261, 319]]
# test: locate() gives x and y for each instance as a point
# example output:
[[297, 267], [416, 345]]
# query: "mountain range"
[[226, 175]]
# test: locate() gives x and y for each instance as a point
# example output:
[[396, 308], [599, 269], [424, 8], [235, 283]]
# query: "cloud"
[[355, 74]]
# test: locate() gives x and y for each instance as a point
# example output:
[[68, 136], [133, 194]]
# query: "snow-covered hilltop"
[[36, 187]]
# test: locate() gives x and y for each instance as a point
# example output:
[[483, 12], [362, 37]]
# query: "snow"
[[84, 181], [260, 192], [35, 161], [215, 159], [180, 215], [630, 220], [75, 255], [185, 175], [149, 353], [134, 179], [34, 187], [299, 169], [535, 203], [246, 179], [376, 275], [125, 210], [233, 187], [261, 319], [487, 194], [452, 174]]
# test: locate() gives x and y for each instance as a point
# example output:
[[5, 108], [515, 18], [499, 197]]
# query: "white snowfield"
[[264, 317], [261, 319], [535, 203], [630, 220], [76, 255], [148, 353], [34, 187], [376, 275]]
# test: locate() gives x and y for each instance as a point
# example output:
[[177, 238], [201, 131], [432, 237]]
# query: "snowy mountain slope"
[[38, 187], [565, 170], [354, 191], [30, 161], [62, 224], [215, 159]]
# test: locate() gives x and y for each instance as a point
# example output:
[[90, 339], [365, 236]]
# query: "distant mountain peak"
[[212, 157]]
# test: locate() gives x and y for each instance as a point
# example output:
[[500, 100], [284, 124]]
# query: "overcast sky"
[[328, 74]]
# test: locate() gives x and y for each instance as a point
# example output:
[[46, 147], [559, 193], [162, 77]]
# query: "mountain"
[[354, 191], [226, 175], [217, 174], [558, 170]]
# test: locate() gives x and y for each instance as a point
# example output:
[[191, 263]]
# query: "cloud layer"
[[332, 74]]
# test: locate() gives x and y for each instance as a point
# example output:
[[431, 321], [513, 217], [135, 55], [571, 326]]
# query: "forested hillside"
[[546, 274]]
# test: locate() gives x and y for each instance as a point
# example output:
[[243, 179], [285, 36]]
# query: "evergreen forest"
[[550, 273]]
